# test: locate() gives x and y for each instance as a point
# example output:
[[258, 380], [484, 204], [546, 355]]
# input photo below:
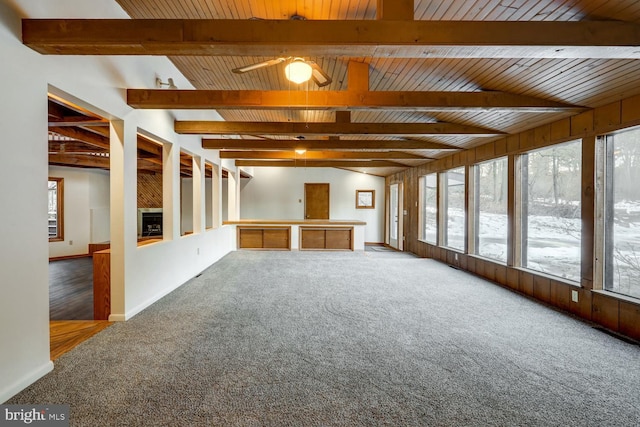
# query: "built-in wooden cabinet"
[[326, 238], [297, 234], [257, 237]]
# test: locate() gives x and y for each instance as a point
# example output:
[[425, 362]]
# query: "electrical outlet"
[[574, 296], [455, 256], [198, 251], [70, 242]]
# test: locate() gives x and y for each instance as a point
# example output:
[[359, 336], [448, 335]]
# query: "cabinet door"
[[276, 238], [251, 238], [312, 239], [338, 239]]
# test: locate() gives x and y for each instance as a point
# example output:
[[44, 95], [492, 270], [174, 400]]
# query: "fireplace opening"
[[151, 224]]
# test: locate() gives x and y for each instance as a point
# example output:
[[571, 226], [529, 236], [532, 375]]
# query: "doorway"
[[316, 201], [395, 218]]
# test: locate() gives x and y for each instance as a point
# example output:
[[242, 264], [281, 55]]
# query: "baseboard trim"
[[15, 388], [60, 258], [120, 317]]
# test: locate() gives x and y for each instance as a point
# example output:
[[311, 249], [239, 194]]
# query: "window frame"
[[475, 205], [444, 197], [59, 237], [422, 200], [522, 201], [605, 200]]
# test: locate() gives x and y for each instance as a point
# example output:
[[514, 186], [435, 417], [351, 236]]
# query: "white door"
[[394, 211]]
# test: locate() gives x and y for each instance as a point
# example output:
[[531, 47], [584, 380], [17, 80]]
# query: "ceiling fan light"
[[298, 71]]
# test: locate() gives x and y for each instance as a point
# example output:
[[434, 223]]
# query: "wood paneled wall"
[[617, 313], [149, 190]]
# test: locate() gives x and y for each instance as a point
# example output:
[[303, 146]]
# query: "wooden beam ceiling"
[[288, 144], [328, 128], [334, 100], [320, 163], [320, 155], [375, 38]]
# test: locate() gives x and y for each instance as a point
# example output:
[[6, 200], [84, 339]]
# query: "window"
[[453, 206], [429, 210], [149, 189], [186, 193], [209, 179], [56, 209], [490, 215], [622, 213], [550, 210], [365, 199]]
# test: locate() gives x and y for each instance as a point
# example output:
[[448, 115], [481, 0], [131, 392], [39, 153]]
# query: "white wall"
[[140, 276], [24, 248], [278, 193], [86, 209]]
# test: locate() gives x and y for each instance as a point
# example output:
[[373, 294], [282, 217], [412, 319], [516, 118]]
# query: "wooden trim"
[[363, 205], [587, 214], [61, 258]]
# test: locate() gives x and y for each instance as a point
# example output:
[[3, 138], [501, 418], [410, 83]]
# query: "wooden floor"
[[66, 334], [71, 289]]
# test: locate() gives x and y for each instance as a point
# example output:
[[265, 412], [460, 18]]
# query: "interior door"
[[394, 212], [316, 201]]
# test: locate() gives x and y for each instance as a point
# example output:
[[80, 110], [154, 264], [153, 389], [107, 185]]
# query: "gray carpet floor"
[[345, 339]]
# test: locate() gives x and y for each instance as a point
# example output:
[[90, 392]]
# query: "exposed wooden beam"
[[79, 160], [321, 163], [83, 135], [349, 38], [149, 146], [320, 155], [326, 128], [335, 100], [66, 147], [395, 9], [102, 162], [358, 76], [280, 144], [77, 121]]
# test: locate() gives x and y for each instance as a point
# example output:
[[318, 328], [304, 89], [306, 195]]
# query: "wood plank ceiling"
[[443, 94]]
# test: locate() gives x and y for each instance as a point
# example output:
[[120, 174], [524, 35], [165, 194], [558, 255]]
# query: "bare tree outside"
[[491, 209], [430, 208], [454, 208], [551, 223], [623, 243]]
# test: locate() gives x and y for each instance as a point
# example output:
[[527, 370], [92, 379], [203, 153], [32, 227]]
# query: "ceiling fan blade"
[[262, 64], [318, 75]]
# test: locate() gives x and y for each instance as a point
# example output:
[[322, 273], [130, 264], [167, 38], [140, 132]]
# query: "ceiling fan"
[[298, 70]]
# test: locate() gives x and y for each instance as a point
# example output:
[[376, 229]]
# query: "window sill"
[[615, 295], [427, 242]]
